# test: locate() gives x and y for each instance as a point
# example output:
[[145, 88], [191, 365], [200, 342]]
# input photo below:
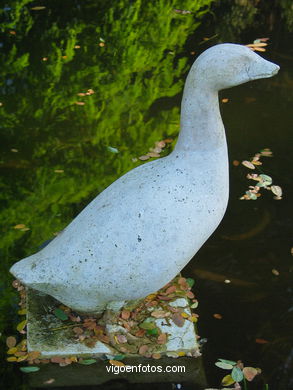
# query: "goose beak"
[[262, 69]]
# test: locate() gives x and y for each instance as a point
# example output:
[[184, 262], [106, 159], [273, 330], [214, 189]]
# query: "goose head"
[[228, 65]]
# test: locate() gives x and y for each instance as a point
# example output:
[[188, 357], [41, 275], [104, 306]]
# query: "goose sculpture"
[[139, 233]]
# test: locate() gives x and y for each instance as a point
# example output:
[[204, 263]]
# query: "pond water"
[[88, 87]]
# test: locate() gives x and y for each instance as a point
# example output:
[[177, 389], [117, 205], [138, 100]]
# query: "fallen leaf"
[[225, 100], [121, 338], [248, 164], [227, 380], [153, 154], [37, 8], [125, 314], [60, 314], [160, 314], [49, 381], [143, 349], [11, 342], [80, 103], [19, 226], [162, 339], [21, 325], [249, 373], [143, 158], [156, 356], [29, 369], [190, 295], [116, 363], [11, 359], [178, 319], [261, 341], [56, 359], [77, 330], [224, 366], [112, 150], [237, 374], [87, 362], [11, 351], [217, 316], [275, 272], [277, 190], [170, 290], [33, 355]]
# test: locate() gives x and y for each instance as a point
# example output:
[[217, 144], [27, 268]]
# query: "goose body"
[[144, 228]]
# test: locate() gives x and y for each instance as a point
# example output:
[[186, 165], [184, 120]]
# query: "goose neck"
[[201, 126]]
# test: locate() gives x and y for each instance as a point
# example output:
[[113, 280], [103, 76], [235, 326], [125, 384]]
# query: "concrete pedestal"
[[180, 357]]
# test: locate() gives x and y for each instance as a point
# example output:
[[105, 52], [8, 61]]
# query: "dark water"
[[57, 153]]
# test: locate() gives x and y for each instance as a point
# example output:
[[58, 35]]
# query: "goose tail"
[[24, 271]]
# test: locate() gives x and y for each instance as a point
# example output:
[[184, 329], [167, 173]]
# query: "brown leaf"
[[77, 330], [178, 319], [11, 342], [217, 316], [33, 355], [249, 373], [143, 158], [160, 314], [143, 349], [170, 290], [156, 356], [140, 333], [153, 154], [57, 359], [190, 295], [261, 341], [125, 314], [162, 339]]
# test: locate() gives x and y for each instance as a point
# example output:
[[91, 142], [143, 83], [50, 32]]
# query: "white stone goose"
[[136, 235]]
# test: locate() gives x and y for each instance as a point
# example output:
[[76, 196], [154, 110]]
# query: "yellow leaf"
[[181, 353], [22, 312], [11, 359], [116, 363], [22, 358], [11, 351], [184, 315], [21, 325], [19, 226], [227, 380]]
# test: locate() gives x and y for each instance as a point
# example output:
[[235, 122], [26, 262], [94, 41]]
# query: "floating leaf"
[[248, 164], [225, 100], [29, 369], [218, 316], [121, 338], [228, 361], [19, 226], [60, 314], [116, 363], [170, 290], [118, 357], [190, 282], [265, 180], [227, 380], [21, 325], [156, 356], [194, 305], [277, 190], [261, 341], [11, 359], [11, 351], [38, 8], [160, 314], [87, 362], [237, 374], [77, 330], [275, 272], [112, 150], [224, 366], [184, 315], [249, 373], [11, 342], [22, 312], [143, 158], [190, 295]]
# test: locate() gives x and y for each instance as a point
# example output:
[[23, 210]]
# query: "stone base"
[[49, 335]]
